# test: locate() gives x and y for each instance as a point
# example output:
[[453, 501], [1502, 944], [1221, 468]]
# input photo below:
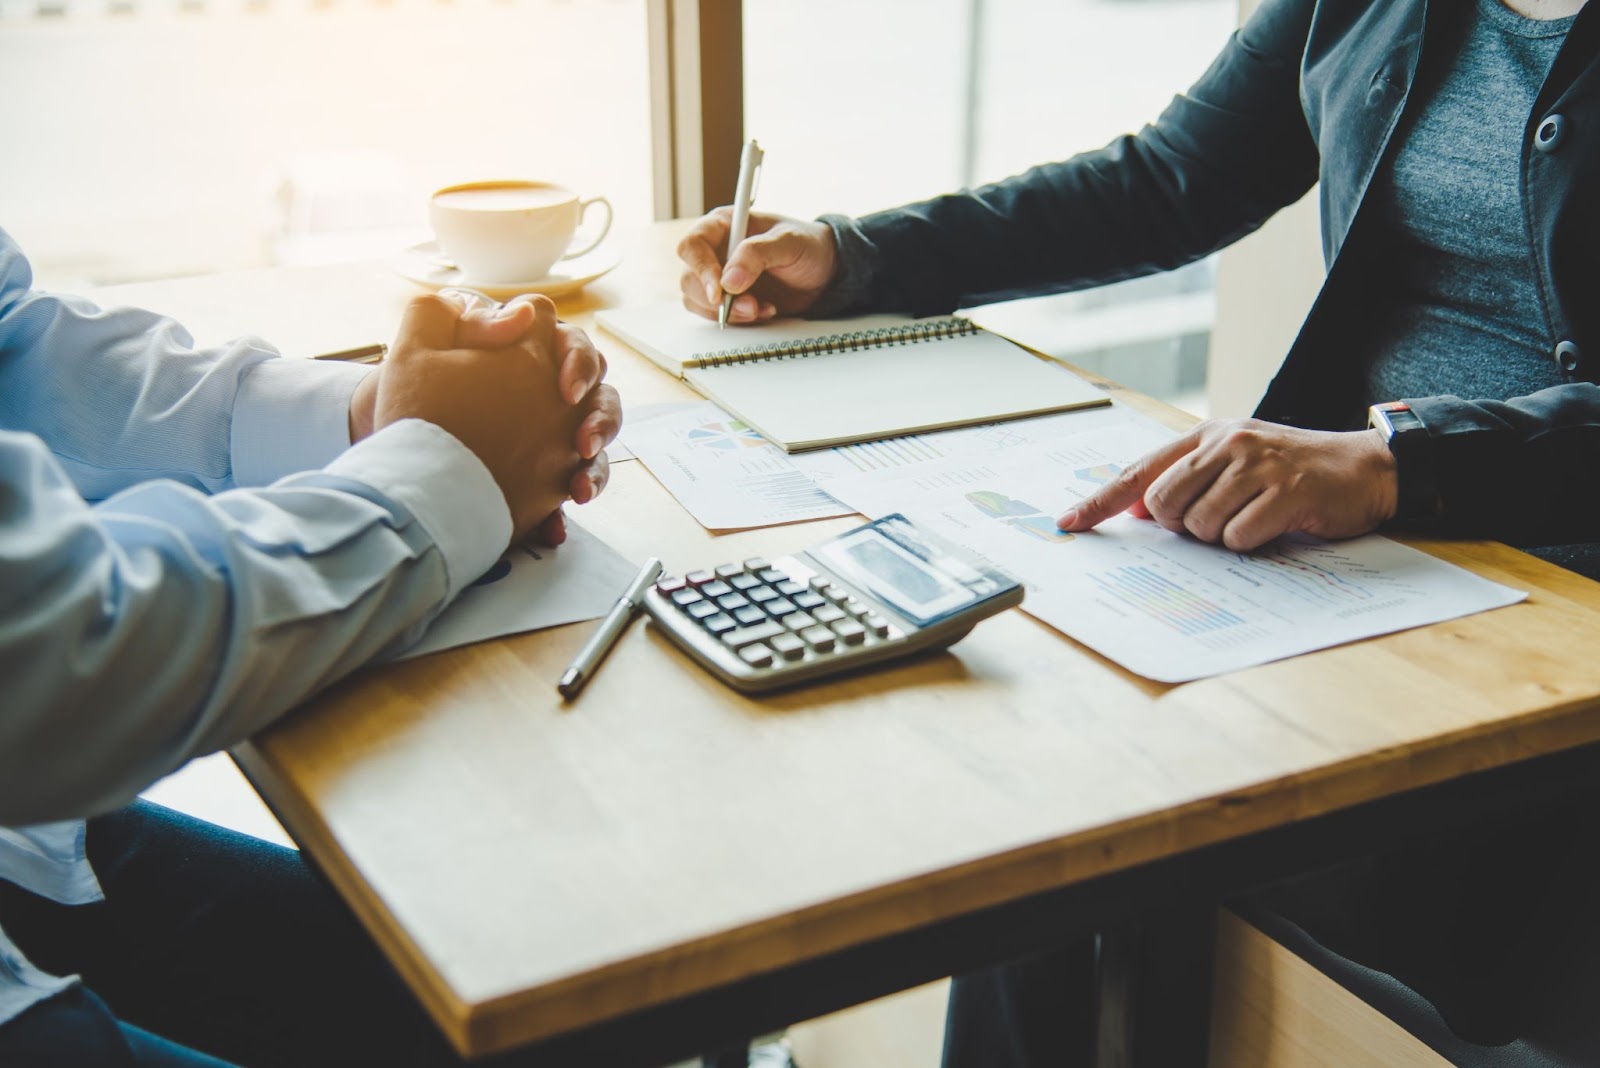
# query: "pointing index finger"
[[1128, 488]]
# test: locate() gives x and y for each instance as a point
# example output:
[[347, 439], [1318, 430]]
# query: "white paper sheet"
[[1165, 606], [898, 455], [729, 478], [726, 475], [532, 588]]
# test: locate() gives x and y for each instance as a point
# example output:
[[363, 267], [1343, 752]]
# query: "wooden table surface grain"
[[533, 867]]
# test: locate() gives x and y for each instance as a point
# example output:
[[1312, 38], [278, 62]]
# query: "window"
[[866, 105], [153, 139]]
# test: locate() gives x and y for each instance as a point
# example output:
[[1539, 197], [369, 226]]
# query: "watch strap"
[[1408, 439]]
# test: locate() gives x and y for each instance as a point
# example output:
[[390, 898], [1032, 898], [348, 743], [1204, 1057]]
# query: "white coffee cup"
[[510, 231]]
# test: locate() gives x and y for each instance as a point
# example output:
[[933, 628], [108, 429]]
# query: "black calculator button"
[[749, 614], [698, 578], [819, 638], [685, 598], [756, 655], [727, 571], [702, 609], [799, 621], [850, 632], [808, 600], [756, 563], [789, 588], [718, 624], [759, 594], [732, 600], [744, 582], [788, 646], [760, 632], [671, 584], [716, 588], [779, 607], [771, 574]]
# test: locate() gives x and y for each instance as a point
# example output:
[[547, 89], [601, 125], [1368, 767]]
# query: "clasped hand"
[[1243, 482], [520, 389]]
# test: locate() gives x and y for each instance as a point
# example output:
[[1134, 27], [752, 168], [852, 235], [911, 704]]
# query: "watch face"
[[1404, 419], [1395, 417]]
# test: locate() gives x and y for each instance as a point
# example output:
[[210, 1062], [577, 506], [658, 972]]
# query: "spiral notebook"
[[807, 384]]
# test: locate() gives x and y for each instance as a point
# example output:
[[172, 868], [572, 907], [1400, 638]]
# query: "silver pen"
[[605, 636], [744, 196]]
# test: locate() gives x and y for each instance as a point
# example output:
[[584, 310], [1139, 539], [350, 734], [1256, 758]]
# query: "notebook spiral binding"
[[915, 333]]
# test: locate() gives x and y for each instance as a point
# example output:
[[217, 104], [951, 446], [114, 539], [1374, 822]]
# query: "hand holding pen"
[[780, 268], [744, 198]]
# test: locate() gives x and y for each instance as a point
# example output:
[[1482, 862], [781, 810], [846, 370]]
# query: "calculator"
[[876, 593]]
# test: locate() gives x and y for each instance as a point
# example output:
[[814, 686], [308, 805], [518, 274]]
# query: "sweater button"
[[1568, 356], [1552, 131]]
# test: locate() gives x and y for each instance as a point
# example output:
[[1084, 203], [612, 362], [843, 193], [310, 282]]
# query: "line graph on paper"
[[1300, 578], [1316, 574]]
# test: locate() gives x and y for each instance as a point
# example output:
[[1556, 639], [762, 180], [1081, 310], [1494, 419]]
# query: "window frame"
[[696, 103]]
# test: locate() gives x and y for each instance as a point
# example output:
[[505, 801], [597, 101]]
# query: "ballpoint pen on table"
[[744, 195], [364, 354], [611, 627]]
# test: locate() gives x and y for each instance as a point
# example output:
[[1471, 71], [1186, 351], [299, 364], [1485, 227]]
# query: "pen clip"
[[755, 181]]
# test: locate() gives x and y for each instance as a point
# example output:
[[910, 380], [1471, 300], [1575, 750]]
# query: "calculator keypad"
[[769, 619]]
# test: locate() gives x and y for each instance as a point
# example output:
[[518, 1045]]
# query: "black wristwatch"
[[1407, 437]]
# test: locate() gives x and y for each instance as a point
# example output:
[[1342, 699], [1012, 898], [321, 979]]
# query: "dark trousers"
[[1032, 1013], [1497, 928], [211, 948]]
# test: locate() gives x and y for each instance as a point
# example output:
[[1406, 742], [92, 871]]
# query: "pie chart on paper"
[[724, 434]]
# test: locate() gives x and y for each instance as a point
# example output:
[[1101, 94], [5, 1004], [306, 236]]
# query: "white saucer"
[[423, 265]]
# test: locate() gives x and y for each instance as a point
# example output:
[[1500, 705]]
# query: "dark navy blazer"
[[1308, 91]]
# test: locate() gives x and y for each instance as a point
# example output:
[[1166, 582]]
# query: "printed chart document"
[[530, 588], [1163, 605], [808, 385], [728, 476], [899, 455]]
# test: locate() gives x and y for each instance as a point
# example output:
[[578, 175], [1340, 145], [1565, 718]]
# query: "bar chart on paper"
[[728, 476], [1163, 605], [1163, 600], [890, 455]]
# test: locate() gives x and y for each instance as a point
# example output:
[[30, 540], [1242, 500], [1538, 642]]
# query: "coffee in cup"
[[510, 231]]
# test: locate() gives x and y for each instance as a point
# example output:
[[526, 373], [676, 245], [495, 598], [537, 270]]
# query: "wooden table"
[[665, 864]]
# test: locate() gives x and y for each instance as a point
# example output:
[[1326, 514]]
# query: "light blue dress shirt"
[[239, 554]]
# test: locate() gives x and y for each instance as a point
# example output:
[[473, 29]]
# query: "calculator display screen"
[[892, 561]]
